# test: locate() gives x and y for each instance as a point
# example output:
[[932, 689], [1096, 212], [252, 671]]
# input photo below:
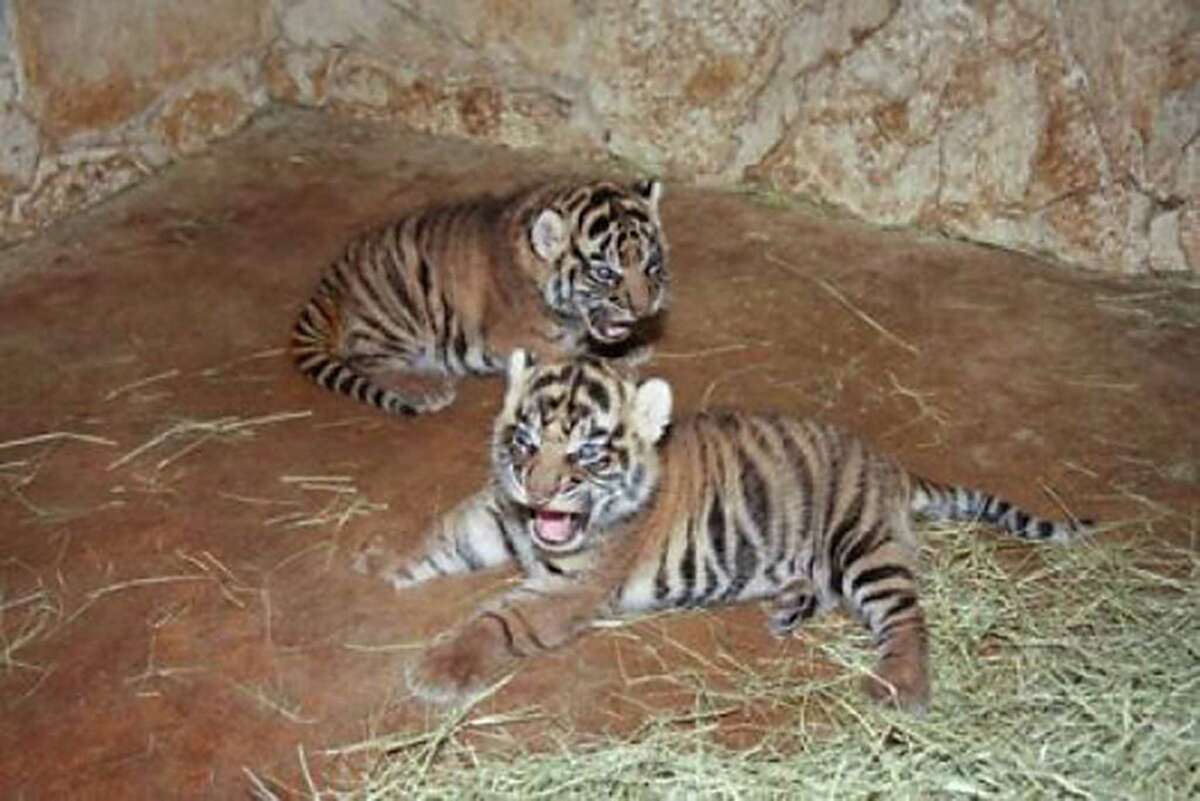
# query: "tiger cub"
[[451, 291], [611, 509]]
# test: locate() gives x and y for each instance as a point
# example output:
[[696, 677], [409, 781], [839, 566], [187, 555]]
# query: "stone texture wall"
[[96, 94], [1064, 127]]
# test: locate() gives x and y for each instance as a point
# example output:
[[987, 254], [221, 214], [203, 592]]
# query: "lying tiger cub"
[[609, 509], [411, 306]]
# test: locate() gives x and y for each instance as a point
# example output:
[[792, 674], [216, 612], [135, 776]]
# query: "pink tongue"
[[554, 526]]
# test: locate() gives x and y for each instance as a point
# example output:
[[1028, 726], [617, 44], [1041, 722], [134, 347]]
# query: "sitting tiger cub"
[[453, 290], [608, 513]]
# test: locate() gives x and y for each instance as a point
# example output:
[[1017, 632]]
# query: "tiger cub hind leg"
[[881, 589], [415, 393]]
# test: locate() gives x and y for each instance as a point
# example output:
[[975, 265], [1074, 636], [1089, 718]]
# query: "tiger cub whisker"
[[610, 508]]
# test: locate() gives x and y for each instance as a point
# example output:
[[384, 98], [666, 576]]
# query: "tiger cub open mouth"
[[612, 332], [555, 530]]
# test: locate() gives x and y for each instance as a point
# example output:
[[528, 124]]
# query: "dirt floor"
[[178, 507]]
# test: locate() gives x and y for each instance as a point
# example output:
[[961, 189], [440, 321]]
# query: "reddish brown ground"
[[189, 626]]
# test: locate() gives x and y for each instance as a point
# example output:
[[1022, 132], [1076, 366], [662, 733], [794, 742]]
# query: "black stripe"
[[577, 380], [836, 566], [332, 286], [848, 523], [712, 583], [423, 277], [893, 619], [907, 602], [579, 255], [687, 569], [827, 520], [548, 378], [376, 325], [599, 394], [510, 641], [505, 536], [862, 545], [886, 593], [754, 492], [365, 284], [312, 365], [312, 317], [602, 195], [787, 621], [875, 574], [460, 347], [1045, 529], [340, 376], [985, 508], [767, 445], [745, 564], [801, 473], [446, 334], [394, 268], [597, 225], [530, 632], [715, 528], [661, 588]]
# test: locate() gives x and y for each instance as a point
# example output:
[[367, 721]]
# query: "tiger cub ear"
[[548, 235], [652, 408], [649, 190]]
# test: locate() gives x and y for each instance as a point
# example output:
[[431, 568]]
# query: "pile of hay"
[[1063, 672]]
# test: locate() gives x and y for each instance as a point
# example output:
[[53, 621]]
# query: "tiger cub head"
[[607, 255], [574, 447]]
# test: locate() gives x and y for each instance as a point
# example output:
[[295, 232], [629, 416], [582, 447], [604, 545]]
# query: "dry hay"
[[1064, 672]]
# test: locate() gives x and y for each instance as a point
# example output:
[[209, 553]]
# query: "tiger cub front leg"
[[795, 604], [473, 536], [534, 618]]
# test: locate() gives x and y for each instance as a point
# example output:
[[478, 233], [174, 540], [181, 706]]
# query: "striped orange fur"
[[611, 509], [449, 291]]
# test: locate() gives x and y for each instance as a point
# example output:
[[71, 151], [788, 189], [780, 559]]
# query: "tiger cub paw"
[[793, 606], [419, 393], [373, 557], [448, 671], [904, 686]]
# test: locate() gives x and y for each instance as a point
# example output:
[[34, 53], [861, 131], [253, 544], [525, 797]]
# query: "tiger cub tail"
[[935, 501], [317, 352]]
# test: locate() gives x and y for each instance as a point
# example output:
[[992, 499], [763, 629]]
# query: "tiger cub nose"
[[543, 489]]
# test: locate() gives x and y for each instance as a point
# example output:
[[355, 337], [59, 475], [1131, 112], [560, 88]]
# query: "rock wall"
[[1069, 128], [97, 94]]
